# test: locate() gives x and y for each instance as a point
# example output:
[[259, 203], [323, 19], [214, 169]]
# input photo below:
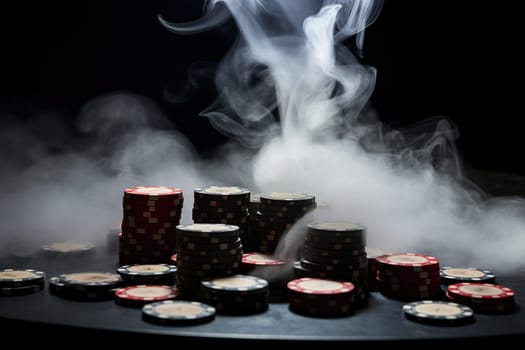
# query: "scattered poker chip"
[[147, 269], [237, 283], [178, 312], [67, 291], [485, 291], [23, 290], [67, 247], [438, 312], [95, 282], [452, 275], [10, 278], [139, 295]]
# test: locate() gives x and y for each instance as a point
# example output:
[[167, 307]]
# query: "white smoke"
[[294, 87], [294, 99]]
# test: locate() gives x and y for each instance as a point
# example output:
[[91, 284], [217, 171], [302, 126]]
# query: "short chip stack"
[[205, 251], [321, 297], [223, 205], [408, 276], [278, 213], [151, 214], [483, 297], [336, 250], [85, 286], [21, 281], [236, 295]]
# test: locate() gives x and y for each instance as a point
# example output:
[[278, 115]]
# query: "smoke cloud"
[[294, 99]]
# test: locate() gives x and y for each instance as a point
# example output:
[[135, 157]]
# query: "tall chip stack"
[[223, 205], [278, 213], [336, 250], [150, 215], [206, 251]]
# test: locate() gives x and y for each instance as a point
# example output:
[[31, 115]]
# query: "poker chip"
[[438, 312], [316, 286], [452, 275], [147, 269], [151, 192], [94, 279], [408, 261], [178, 312], [23, 290], [237, 294], [482, 297], [67, 247], [261, 259], [139, 295], [10, 278], [77, 292], [148, 273], [480, 290], [236, 283]]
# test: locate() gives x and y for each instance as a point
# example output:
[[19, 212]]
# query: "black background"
[[457, 59]]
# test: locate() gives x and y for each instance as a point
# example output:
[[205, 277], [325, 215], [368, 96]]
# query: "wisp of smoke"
[[293, 88]]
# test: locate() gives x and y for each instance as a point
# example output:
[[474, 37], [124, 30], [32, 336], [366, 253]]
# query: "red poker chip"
[[147, 292], [485, 291], [309, 285], [152, 192], [408, 261], [261, 259]]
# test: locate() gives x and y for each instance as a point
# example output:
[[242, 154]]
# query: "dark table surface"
[[380, 322]]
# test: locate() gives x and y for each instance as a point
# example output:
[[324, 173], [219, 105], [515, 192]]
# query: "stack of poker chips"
[[408, 276], [223, 205], [85, 286], [371, 255], [206, 251], [321, 297], [236, 295], [134, 274], [274, 270], [278, 213], [336, 250], [151, 214], [21, 281], [482, 297]]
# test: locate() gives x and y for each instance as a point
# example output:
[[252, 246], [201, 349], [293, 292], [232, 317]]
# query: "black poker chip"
[[438, 312], [452, 275], [27, 289], [178, 313], [11, 278]]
